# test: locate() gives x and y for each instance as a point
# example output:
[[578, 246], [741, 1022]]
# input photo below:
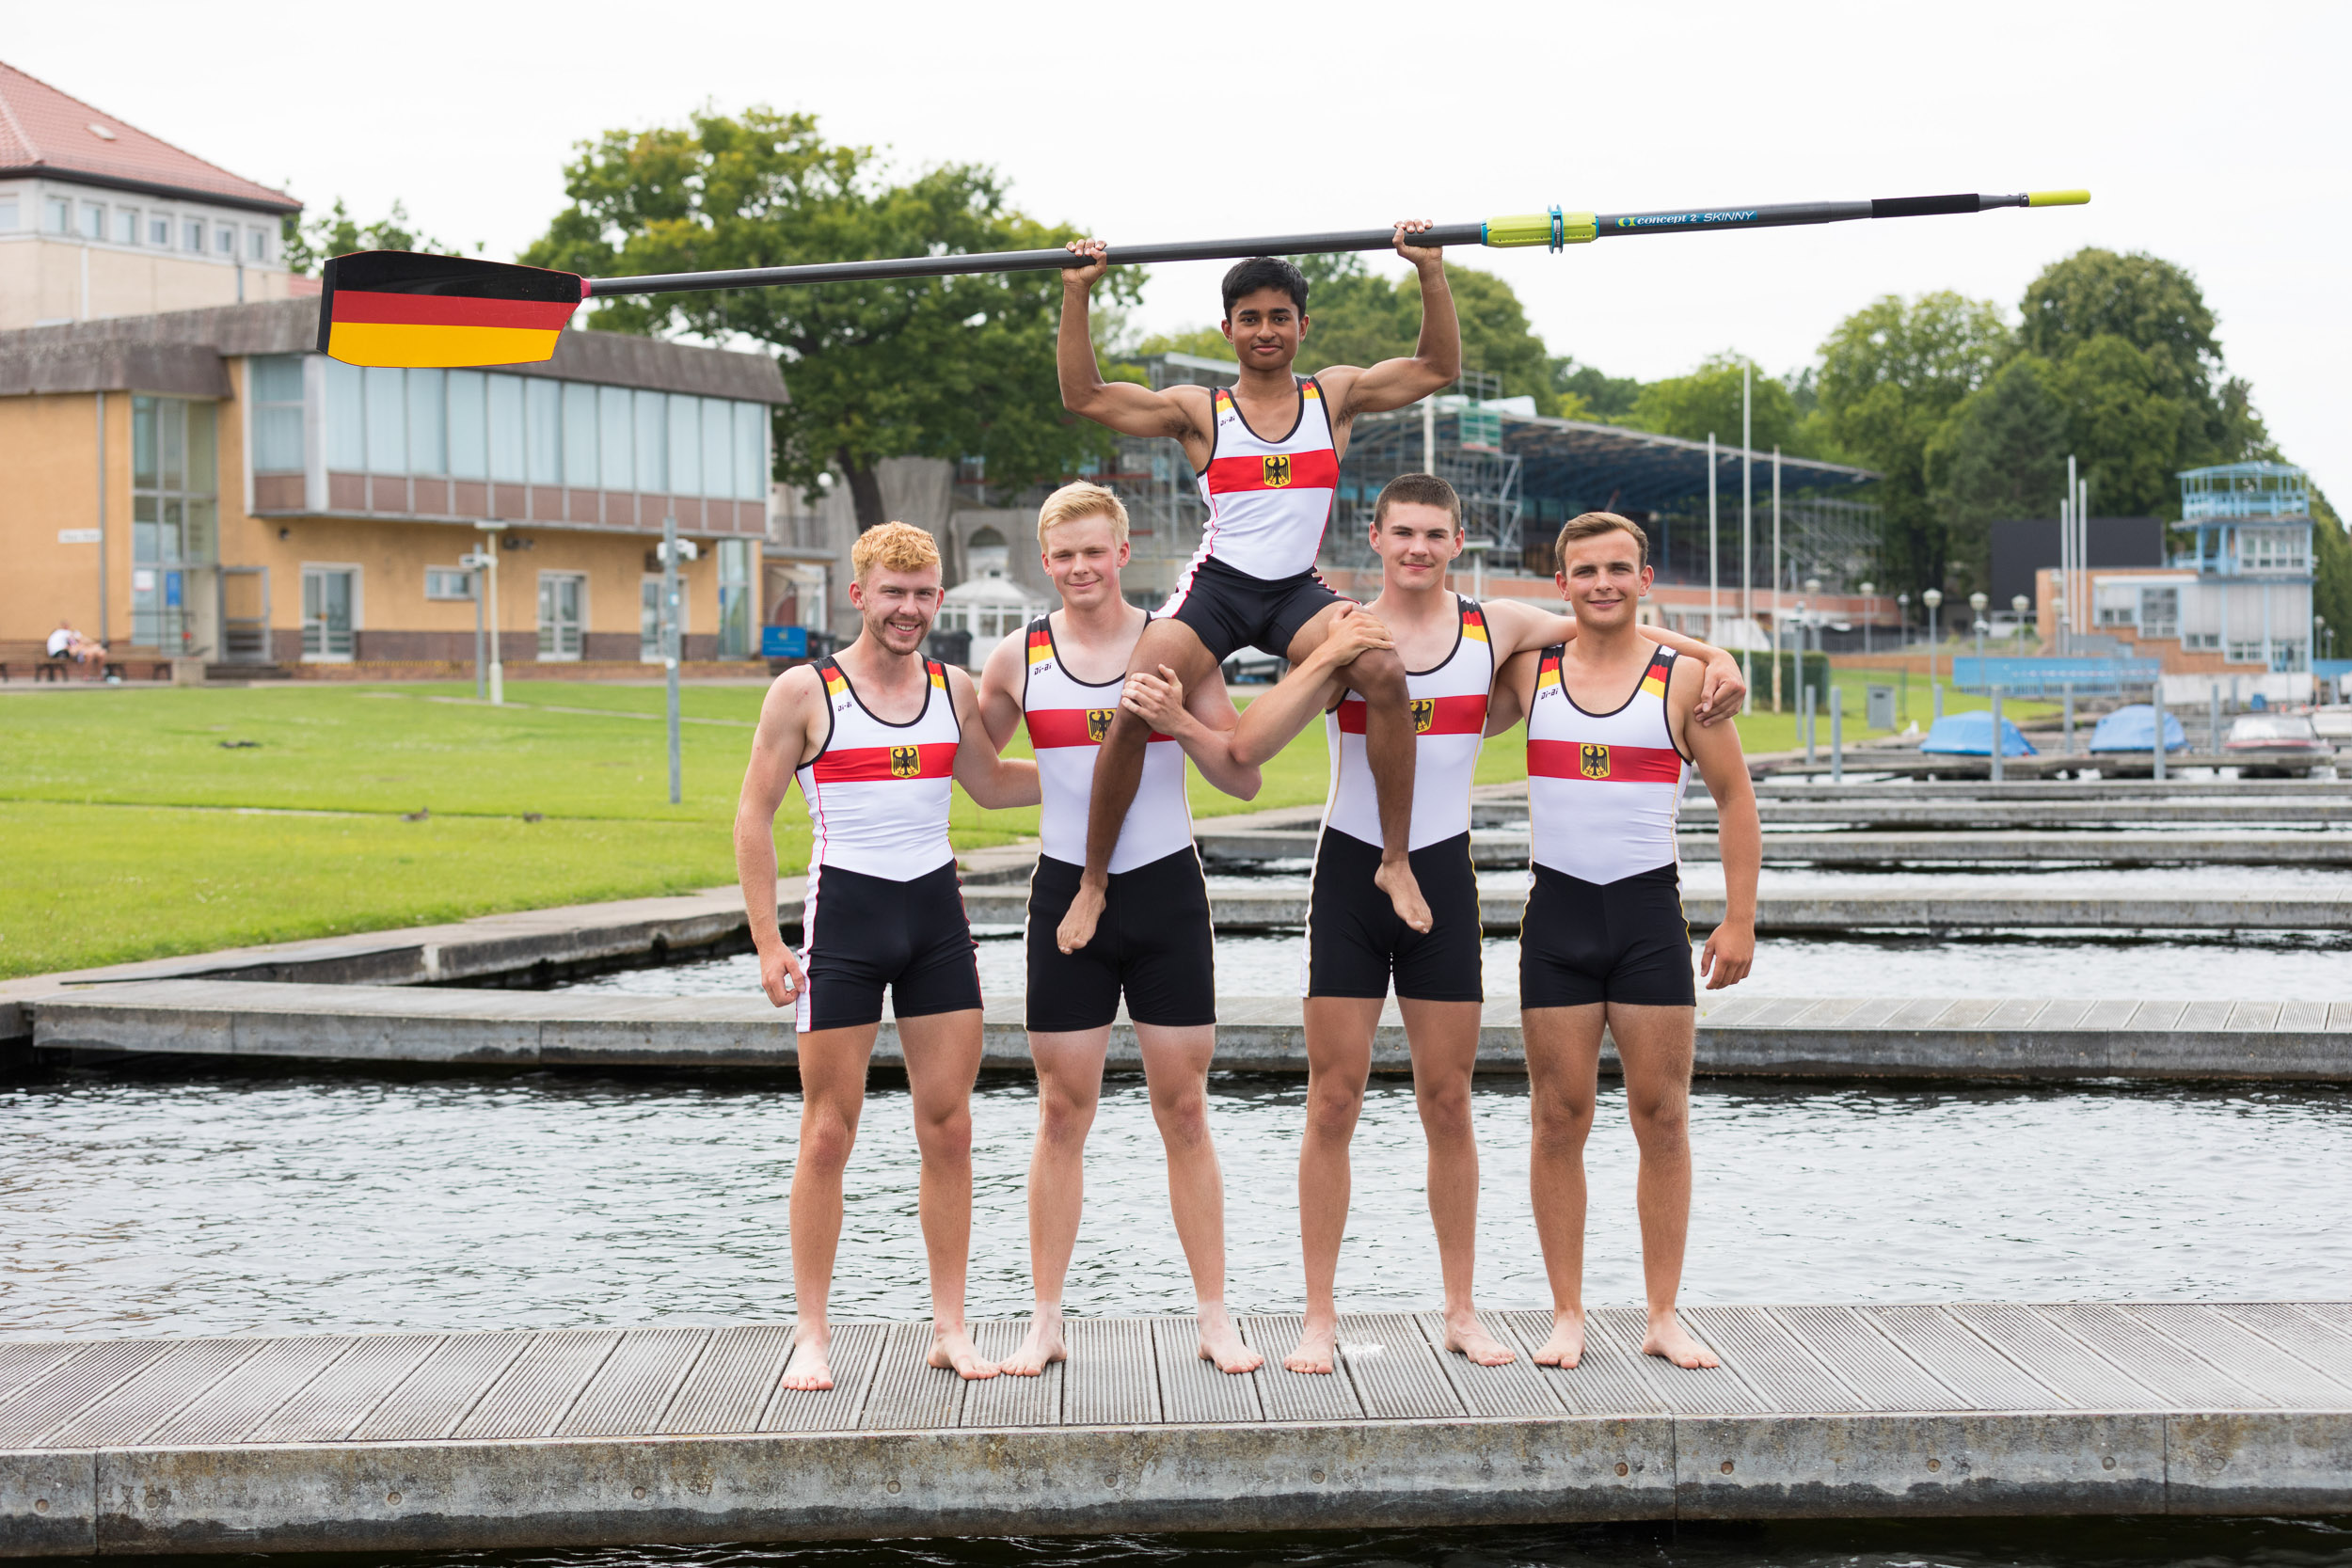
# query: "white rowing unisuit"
[[1068, 718], [878, 792], [1268, 500], [1449, 708], [1603, 788]]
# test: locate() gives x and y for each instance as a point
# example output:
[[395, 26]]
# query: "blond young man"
[[1610, 739], [1267, 452], [1452, 648], [1063, 675], [875, 736]]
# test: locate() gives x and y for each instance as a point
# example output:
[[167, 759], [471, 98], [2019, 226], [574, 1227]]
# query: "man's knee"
[[1661, 1121], [1378, 676], [826, 1140], [947, 1137], [1444, 1104], [1183, 1116], [1332, 1110], [1063, 1116], [1561, 1122]]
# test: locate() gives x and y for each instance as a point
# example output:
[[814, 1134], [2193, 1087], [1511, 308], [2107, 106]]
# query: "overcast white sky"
[[2204, 132]]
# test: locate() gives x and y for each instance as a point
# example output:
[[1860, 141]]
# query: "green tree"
[[948, 367], [1205, 342], [2001, 453], [2125, 425], [1891, 373], [1358, 317], [1707, 402], [2331, 569], [1608, 398], [309, 244]]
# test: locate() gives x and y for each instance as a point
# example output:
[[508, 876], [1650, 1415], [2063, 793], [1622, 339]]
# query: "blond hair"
[[1078, 499], [1593, 524], [894, 547]]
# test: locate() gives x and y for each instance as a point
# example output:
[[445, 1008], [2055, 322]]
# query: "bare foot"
[[1565, 1347], [1040, 1350], [1395, 879], [1669, 1338], [1316, 1344], [1077, 923], [1220, 1342], [808, 1368], [1469, 1337], [954, 1351]]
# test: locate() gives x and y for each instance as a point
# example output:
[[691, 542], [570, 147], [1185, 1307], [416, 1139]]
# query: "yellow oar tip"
[[2058, 199]]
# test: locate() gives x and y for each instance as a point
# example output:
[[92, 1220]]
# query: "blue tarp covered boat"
[[2133, 729], [1970, 735]]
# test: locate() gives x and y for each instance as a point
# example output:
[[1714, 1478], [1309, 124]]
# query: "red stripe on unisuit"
[[935, 759], [1465, 714], [356, 306], [1318, 470], [1051, 727], [1564, 759]]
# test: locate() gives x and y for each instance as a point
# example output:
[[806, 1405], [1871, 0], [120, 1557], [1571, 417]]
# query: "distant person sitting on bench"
[[65, 642]]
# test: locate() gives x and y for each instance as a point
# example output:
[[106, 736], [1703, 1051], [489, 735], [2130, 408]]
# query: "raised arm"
[[1437, 358], [1513, 685], [1730, 952], [993, 781], [1000, 688], [1123, 405], [1515, 624], [793, 707], [1201, 722], [1271, 721]]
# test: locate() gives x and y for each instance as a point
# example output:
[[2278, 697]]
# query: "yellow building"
[[202, 486], [99, 218]]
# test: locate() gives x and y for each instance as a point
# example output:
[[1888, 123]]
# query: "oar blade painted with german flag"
[[405, 307], [394, 307]]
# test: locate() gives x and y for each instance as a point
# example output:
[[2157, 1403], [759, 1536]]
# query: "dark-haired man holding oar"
[[1267, 452]]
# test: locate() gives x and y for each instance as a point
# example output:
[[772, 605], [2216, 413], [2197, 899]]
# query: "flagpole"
[[1747, 522], [1713, 613]]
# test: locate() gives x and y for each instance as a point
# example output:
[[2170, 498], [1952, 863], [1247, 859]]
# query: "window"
[[428, 423], [388, 420], [2159, 611], [192, 234], [448, 582], [735, 598], [547, 433], [159, 228], [2245, 652], [580, 435], [686, 445], [126, 226], [718, 447], [653, 443], [346, 417], [93, 221], [468, 426], [506, 428], [58, 215], [616, 444], [274, 384], [8, 218], [174, 511], [751, 452], [257, 245], [2270, 549], [225, 241], [563, 614], [2205, 639], [329, 601], [649, 620]]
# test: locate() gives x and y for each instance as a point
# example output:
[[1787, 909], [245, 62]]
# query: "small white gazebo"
[[988, 604]]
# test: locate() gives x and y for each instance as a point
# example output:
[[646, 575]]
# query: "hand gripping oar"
[[404, 307]]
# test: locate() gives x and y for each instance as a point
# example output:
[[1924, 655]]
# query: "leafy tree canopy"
[[1707, 403], [951, 367], [2001, 453], [1594, 395], [334, 232]]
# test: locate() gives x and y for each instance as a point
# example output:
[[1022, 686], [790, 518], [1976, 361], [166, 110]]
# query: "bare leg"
[[1378, 677], [1118, 771], [1563, 1076], [832, 1094], [1444, 1036], [1068, 1086], [943, 1055], [1655, 1045], [1176, 1065], [1339, 1060]]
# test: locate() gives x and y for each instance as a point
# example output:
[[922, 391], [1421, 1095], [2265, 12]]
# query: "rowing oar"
[[404, 307]]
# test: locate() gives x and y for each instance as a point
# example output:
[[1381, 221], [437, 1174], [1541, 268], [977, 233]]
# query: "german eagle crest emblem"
[[1099, 724], [1592, 760], [905, 762], [1424, 709], [1277, 471]]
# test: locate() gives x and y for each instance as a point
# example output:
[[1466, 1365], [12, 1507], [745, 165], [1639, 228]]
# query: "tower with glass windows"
[[2251, 530]]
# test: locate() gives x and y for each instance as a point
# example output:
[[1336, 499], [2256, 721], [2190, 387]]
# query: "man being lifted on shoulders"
[[1452, 648], [874, 736], [1611, 734], [1267, 452], [1065, 675]]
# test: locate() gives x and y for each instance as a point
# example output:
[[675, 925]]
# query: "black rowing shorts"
[[1230, 609], [867, 933], [1356, 942], [1153, 941], [1626, 941]]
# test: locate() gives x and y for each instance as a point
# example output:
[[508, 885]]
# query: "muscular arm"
[[1437, 358], [1000, 689], [1271, 721], [1730, 952], [991, 780], [1514, 626], [1123, 405], [1201, 721], [1513, 683], [789, 729]]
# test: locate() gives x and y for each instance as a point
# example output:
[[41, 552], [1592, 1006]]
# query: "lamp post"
[[2018, 605], [1977, 602], [1813, 591], [1871, 597], [2322, 630], [478, 563], [1902, 613], [491, 542], [1932, 599]]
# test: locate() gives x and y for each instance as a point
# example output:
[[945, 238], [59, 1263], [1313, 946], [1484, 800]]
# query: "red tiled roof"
[[43, 131]]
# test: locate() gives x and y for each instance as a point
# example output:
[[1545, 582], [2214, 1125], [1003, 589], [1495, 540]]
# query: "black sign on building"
[[2022, 548]]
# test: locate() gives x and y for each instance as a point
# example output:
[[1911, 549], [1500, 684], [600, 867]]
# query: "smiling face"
[[899, 606], [1265, 330], [1415, 542], [1604, 578], [1082, 556]]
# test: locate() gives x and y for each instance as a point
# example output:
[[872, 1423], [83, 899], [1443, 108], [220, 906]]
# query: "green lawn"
[[1762, 730]]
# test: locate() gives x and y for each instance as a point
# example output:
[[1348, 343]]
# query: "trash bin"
[[952, 647]]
